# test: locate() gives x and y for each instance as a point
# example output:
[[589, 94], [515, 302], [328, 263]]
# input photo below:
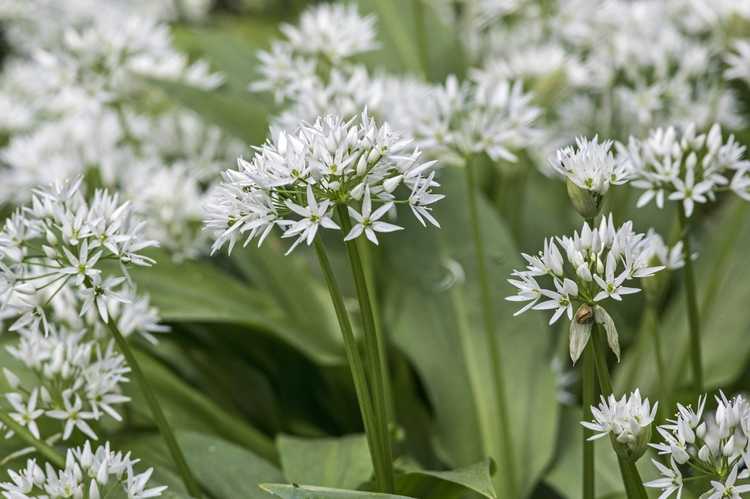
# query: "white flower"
[[611, 285], [368, 222], [628, 420], [590, 165], [26, 412], [560, 300], [330, 162], [85, 471], [74, 417], [727, 489], [739, 61], [685, 166], [670, 480], [313, 215]]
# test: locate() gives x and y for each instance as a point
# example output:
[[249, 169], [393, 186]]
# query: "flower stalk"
[[692, 305], [490, 330], [588, 380], [383, 467], [156, 412]]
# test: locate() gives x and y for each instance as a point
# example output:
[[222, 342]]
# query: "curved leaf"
[[476, 477], [311, 492]]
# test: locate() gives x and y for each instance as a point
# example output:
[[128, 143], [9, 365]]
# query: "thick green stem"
[[588, 381], [373, 346], [383, 467], [490, 332], [421, 34], [156, 411], [692, 305], [653, 328], [630, 476], [43, 447]]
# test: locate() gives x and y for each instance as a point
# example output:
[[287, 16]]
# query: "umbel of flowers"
[[595, 265], [64, 282], [338, 175], [707, 452], [296, 182], [88, 473]]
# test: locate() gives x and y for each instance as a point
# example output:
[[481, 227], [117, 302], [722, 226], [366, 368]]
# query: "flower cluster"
[[296, 181], [82, 117], [62, 277], [482, 116], [687, 167], [597, 265], [710, 445], [628, 422], [88, 473], [590, 168]]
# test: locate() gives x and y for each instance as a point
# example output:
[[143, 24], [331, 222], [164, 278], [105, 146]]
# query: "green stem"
[[43, 447], [630, 476], [156, 411], [692, 305], [490, 330], [421, 35], [357, 367], [390, 406], [588, 380], [651, 316], [373, 347]]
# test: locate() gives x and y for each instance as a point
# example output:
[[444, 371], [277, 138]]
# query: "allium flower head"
[[687, 167], [627, 421], [594, 265], [295, 181], [589, 168], [716, 443], [88, 473]]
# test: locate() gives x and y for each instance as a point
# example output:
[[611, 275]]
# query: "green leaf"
[[330, 462], [195, 291], [310, 492], [722, 274], [440, 329], [187, 408], [476, 477], [224, 469]]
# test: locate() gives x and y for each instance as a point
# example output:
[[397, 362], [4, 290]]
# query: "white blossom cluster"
[[94, 114], [590, 165], [614, 68], [594, 265], [687, 166], [88, 474], [626, 420], [706, 444], [62, 277], [296, 181], [311, 70]]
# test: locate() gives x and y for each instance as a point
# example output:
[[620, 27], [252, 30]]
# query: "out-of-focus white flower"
[[628, 420], [295, 181], [739, 61]]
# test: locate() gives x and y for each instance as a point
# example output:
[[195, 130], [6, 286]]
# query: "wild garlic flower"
[[295, 182], [627, 421], [88, 473], [589, 169], [597, 264], [715, 444], [61, 242], [482, 116], [325, 37], [739, 62], [687, 167]]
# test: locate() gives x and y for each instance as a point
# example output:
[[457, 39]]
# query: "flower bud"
[[633, 449], [587, 203]]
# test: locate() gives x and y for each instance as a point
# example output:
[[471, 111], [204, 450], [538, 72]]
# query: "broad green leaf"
[[434, 318], [329, 462], [477, 478], [195, 291], [186, 408], [311, 492], [224, 469], [722, 274]]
